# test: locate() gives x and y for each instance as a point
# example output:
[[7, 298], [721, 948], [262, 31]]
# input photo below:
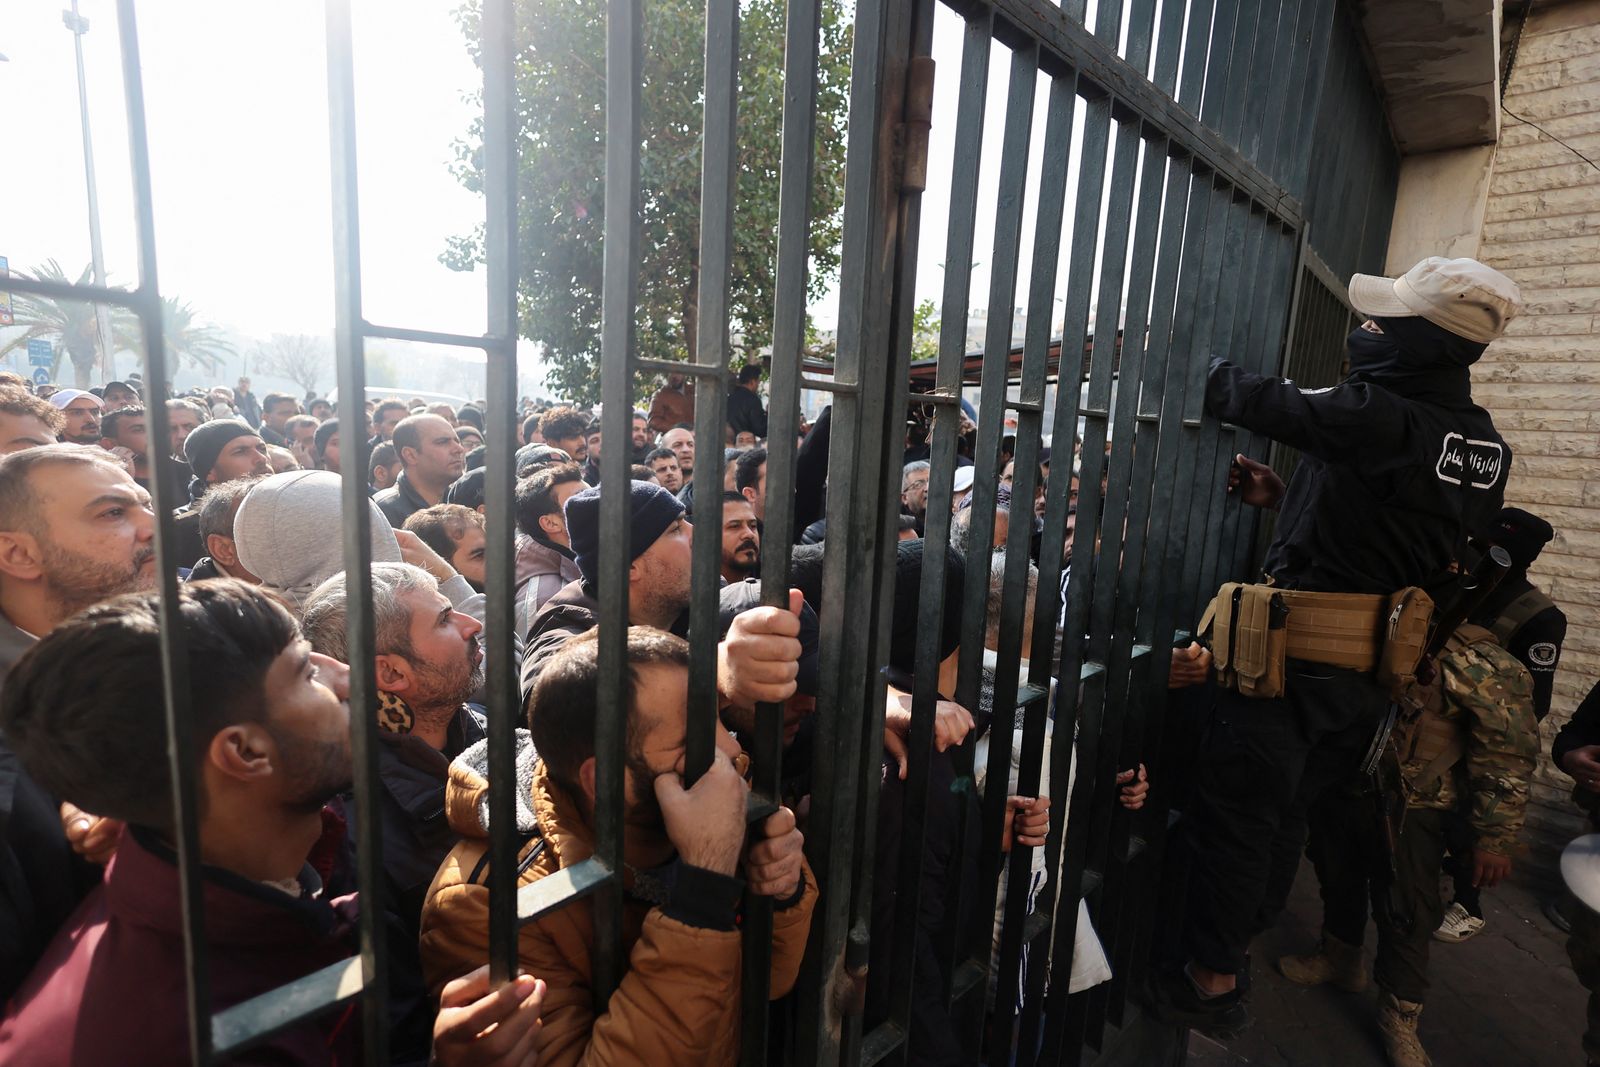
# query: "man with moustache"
[[428, 663], [272, 746], [82, 411], [74, 530], [741, 539]]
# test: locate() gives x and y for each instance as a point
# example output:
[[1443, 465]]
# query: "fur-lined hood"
[[466, 798]]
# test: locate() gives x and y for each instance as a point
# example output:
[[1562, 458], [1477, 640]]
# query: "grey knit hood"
[[288, 532]]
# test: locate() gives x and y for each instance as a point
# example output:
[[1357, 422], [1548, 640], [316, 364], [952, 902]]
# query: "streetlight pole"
[[80, 26]]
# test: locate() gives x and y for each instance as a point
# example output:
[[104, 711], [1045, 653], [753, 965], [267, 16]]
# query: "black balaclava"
[[1416, 359]]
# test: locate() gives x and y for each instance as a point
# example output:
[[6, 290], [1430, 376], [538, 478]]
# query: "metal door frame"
[[1223, 148]]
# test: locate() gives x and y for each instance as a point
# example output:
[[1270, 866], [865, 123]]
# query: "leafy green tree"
[[925, 331], [561, 105], [69, 325]]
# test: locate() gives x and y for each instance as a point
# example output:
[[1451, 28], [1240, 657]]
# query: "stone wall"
[[1542, 381]]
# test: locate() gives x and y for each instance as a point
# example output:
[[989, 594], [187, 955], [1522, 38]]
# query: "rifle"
[[1380, 768]]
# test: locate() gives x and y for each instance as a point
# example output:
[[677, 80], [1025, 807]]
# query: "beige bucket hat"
[[1459, 295]]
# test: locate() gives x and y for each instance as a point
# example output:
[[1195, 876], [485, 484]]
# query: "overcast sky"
[[236, 100]]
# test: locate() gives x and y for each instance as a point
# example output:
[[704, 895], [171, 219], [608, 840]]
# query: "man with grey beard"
[[428, 663], [75, 530]]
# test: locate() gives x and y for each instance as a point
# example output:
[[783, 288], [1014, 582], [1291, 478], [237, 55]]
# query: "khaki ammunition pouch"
[[1254, 629], [1249, 638], [1405, 636]]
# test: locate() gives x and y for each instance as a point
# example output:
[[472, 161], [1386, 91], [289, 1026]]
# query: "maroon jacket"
[[110, 988]]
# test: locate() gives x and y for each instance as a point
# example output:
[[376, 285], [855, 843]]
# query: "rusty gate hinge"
[[912, 134]]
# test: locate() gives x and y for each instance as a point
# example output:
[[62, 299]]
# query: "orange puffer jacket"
[[678, 1002]]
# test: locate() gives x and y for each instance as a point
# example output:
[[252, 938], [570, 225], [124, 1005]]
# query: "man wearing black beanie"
[[217, 451], [757, 660]]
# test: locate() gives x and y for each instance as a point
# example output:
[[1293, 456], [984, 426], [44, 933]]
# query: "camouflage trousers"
[[1583, 947], [1345, 852]]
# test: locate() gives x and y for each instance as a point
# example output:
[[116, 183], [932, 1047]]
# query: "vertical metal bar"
[[497, 45], [1297, 304], [971, 111], [359, 628], [716, 269], [889, 1037], [1317, 38], [1140, 42], [621, 274], [1168, 46], [1196, 55], [1117, 577], [1219, 58], [717, 184], [1218, 323], [1239, 67], [97, 259], [798, 140], [1288, 76], [1278, 271], [1151, 511], [1108, 21], [1224, 511], [980, 545], [1266, 70], [788, 337], [1074, 336], [1177, 451], [174, 646], [908, 37], [850, 700], [1232, 317], [1084, 616], [1049, 219]]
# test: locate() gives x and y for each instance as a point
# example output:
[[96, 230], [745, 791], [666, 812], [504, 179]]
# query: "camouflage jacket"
[[1481, 700]]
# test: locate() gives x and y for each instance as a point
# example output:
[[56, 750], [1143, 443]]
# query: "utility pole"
[[80, 26]]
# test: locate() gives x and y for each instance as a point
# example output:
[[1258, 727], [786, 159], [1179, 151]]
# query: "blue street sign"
[[41, 376], [39, 353]]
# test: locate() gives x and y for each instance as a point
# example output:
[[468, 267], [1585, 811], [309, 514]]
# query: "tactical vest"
[[1424, 735]]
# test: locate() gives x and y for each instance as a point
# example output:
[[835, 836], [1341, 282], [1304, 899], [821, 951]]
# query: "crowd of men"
[[92, 963]]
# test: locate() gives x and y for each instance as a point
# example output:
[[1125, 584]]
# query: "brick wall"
[[1542, 381]]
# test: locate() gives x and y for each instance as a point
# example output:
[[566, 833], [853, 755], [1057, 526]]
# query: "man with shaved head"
[[431, 458]]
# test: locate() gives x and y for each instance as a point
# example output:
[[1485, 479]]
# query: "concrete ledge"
[[1437, 65]]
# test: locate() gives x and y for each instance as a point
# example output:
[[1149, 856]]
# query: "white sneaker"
[[1458, 925]]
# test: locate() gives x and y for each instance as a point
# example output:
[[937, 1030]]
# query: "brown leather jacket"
[[679, 998]]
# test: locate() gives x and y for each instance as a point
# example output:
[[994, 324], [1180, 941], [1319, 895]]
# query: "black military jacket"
[[1388, 486]]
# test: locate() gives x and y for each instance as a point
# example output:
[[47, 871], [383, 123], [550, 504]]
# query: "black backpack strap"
[[1518, 614], [480, 870]]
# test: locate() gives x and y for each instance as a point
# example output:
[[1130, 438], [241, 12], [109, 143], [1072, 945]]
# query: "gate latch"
[[912, 134]]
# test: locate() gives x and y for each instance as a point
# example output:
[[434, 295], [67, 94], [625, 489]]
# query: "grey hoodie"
[[287, 532]]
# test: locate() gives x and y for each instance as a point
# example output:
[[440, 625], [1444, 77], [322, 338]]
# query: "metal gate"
[[1195, 125]]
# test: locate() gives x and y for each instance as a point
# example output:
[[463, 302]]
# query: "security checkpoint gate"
[[1198, 141]]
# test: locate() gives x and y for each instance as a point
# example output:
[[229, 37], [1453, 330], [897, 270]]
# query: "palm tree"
[[69, 325], [204, 346]]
